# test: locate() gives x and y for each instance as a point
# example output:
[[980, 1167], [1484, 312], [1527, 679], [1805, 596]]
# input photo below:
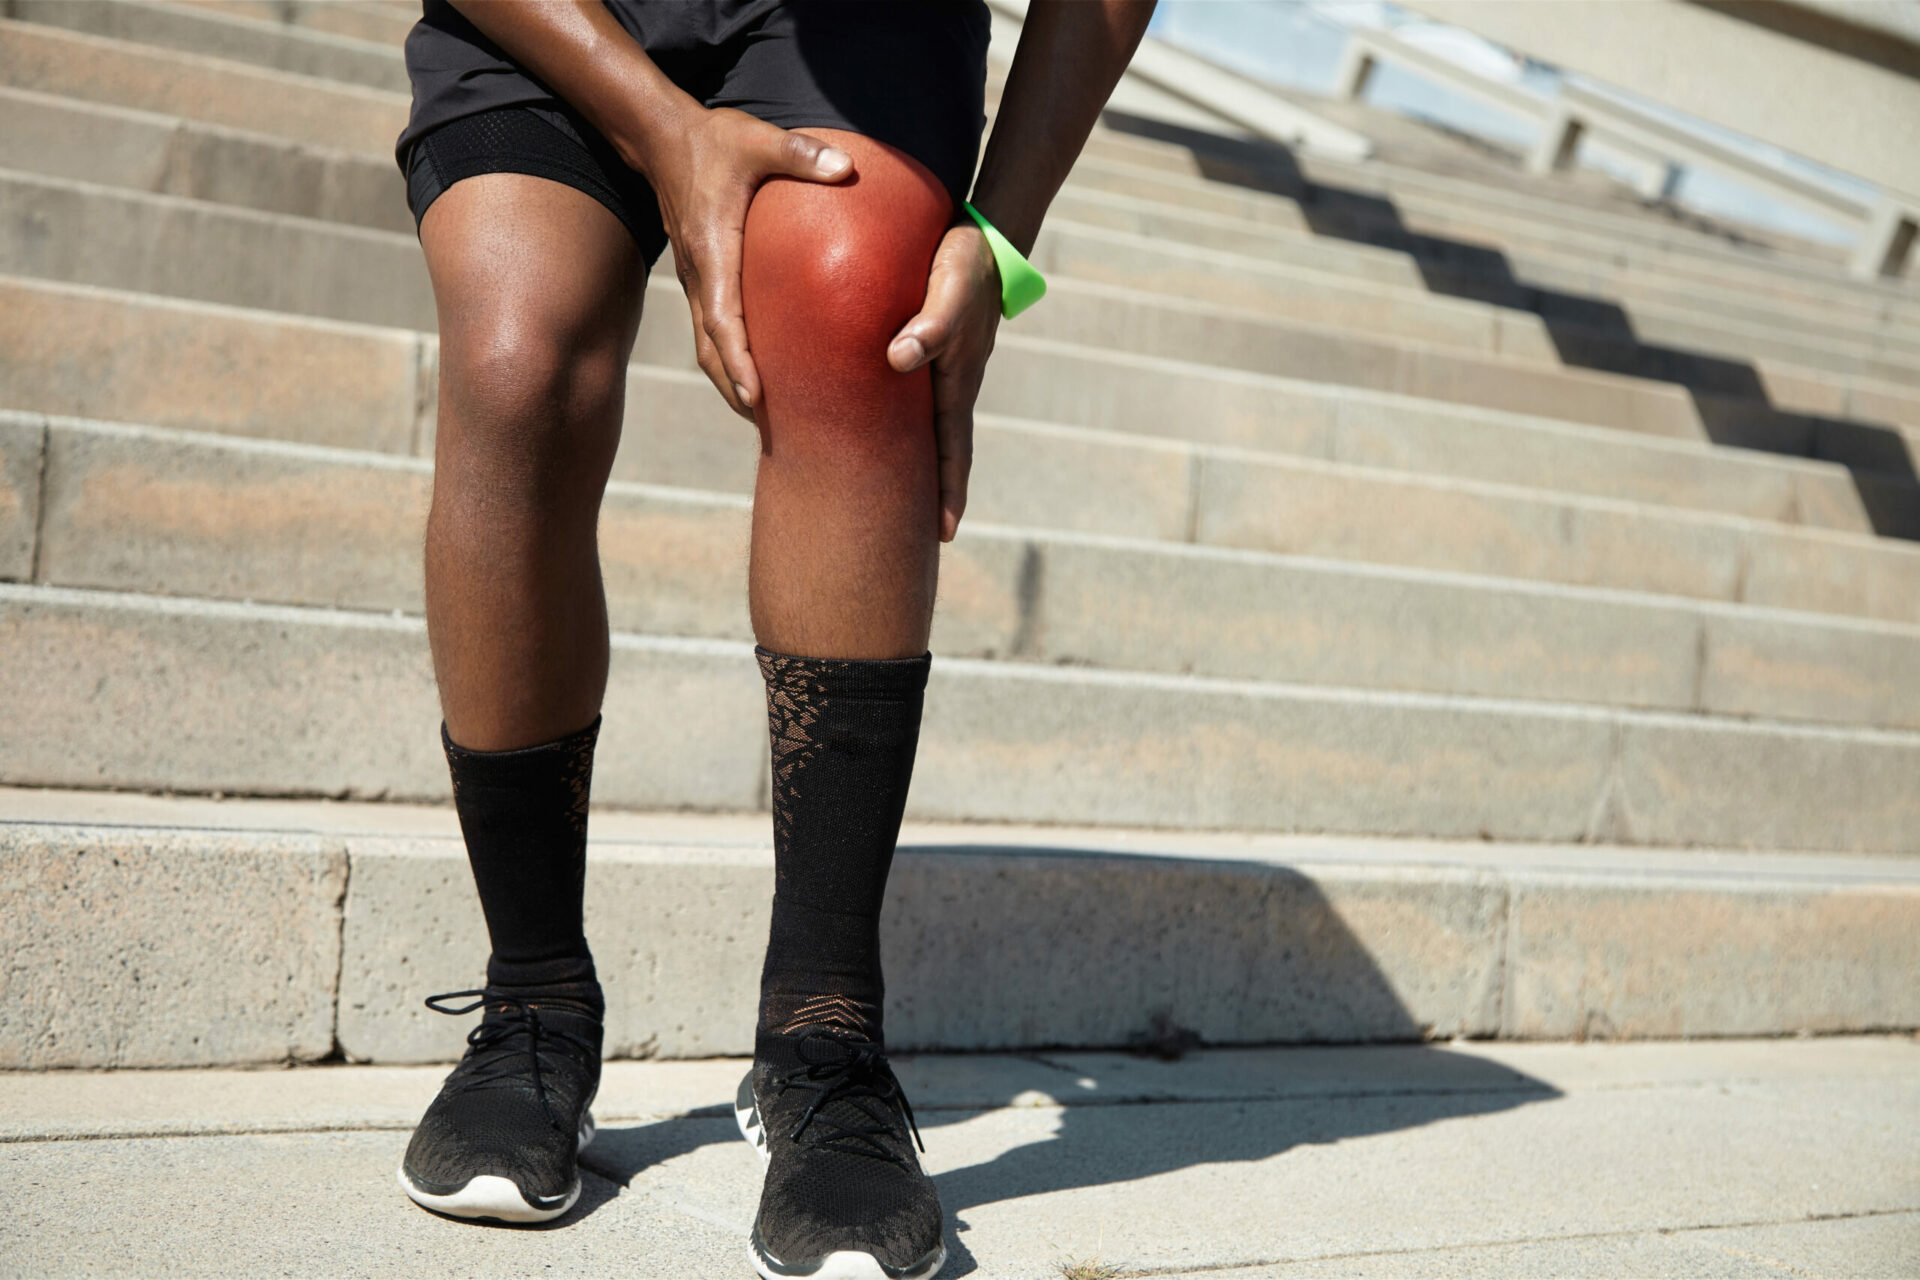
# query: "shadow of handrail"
[[1587, 332]]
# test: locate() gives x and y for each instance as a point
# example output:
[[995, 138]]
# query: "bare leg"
[[846, 506], [539, 290]]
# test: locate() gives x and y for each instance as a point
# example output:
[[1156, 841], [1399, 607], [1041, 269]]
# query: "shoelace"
[[854, 1072], [522, 1019]]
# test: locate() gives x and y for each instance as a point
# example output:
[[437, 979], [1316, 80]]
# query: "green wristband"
[[1020, 285]]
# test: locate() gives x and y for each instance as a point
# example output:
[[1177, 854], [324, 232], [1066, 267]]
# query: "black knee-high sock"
[[844, 733], [524, 814]]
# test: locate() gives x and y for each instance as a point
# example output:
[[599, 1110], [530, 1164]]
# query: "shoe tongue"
[[575, 1007]]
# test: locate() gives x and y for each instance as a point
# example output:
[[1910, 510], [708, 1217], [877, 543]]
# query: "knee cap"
[[830, 274]]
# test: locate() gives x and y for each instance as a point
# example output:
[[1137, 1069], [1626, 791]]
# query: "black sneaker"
[[502, 1138], [845, 1197]]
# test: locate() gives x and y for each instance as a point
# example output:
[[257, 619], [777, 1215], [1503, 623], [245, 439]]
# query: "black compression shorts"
[[909, 73]]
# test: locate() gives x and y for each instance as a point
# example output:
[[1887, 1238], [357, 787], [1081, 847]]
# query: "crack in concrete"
[[340, 951], [1196, 461], [1617, 1234], [40, 503]]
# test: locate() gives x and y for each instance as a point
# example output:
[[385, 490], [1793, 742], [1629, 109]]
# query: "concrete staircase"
[[1550, 560]]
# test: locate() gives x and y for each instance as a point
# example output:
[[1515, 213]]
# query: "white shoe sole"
[[843, 1265], [491, 1196]]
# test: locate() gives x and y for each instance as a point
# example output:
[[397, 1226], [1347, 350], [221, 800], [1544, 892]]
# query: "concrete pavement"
[[1716, 1158]]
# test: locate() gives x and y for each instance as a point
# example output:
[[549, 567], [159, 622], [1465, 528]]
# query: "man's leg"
[[845, 555], [538, 288]]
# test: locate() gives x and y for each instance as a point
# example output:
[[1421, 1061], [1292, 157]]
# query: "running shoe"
[[502, 1140], [845, 1197]]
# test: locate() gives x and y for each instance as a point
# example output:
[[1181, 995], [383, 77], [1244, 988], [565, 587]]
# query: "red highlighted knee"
[[830, 274]]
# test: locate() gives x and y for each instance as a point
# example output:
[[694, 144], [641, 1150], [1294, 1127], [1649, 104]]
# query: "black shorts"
[[909, 73]]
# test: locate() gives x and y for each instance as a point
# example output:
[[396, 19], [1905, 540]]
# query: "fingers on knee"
[[831, 272]]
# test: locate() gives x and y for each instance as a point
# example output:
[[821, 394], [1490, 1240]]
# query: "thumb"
[[921, 338], [795, 155]]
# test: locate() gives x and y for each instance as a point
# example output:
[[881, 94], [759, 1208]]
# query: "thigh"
[[539, 289]]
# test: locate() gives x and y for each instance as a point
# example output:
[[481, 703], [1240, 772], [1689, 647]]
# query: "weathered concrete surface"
[[302, 108], [357, 19], [153, 948], [1761, 664], [93, 353], [150, 693], [1691, 780], [1872, 1244], [1499, 246], [1053, 745], [1659, 337], [147, 511], [1004, 741], [1592, 957], [142, 510], [1296, 506], [84, 233], [1381, 293], [1342, 954], [678, 934], [1399, 1161], [216, 35], [1233, 938], [172, 694], [55, 229], [126, 357], [91, 142]]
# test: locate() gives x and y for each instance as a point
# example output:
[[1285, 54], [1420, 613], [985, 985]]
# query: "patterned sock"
[[844, 733]]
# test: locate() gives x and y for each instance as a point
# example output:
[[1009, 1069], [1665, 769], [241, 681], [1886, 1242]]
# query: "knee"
[[527, 403], [829, 275]]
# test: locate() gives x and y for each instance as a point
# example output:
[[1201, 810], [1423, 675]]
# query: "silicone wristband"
[[1020, 285]]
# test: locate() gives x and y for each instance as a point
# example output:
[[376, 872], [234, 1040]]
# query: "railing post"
[[1559, 140], [1886, 241], [1356, 68], [1657, 180]]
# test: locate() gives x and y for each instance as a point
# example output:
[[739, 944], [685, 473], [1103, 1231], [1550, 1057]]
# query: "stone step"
[[320, 926], [1563, 286], [1709, 254], [1459, 253], [130, 692], [126, 357], [196, 30], [1726, 356], [1436, 164], [91, 142], [65, 138], [60, 137], [84, 233], [1820, 415], [386, 211], [290, 48], [356, 19], [1376, 187], [1480, 265], [215, 84], [69, 139], [223, 169], [167, 512], [215, 90]]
